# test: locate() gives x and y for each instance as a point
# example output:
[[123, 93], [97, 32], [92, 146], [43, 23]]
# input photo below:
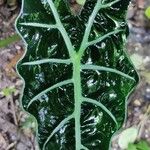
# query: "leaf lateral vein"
[[44, 61], [62, 123], [106, 69], [39, 25], [89, 100], [49, 89], [101, 38]]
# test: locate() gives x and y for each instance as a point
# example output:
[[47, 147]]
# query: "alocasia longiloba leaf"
[[76, 72]]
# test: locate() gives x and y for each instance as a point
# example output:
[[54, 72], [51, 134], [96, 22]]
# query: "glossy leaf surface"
[[76, 72]]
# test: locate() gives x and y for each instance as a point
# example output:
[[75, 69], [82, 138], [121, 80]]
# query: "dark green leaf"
[[76, 72]]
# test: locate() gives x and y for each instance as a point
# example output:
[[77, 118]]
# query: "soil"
[[18, 134]]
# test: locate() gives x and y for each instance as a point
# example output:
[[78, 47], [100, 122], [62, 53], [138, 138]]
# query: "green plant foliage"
[[29, 123], [9, 40], [147, 12], [8, 91], [141, 145], [81, 2], [132, 147], [76, 72]]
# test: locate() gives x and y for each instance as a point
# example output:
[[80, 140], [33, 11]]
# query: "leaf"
[[131, 147], [8, 91], [29, 123], [81, 2], [143, 145], [147, 12], [127, 136], [9, 40], [76, 72]]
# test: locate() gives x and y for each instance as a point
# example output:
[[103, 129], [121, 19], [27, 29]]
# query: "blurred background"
[[17, 128]]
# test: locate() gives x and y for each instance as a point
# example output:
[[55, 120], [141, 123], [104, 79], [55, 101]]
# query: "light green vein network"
[[75, 60]]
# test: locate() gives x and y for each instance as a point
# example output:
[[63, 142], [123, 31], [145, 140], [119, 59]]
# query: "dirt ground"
[[16, 127]]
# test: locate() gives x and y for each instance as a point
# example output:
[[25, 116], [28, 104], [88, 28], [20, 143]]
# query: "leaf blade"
[[47, 62]]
